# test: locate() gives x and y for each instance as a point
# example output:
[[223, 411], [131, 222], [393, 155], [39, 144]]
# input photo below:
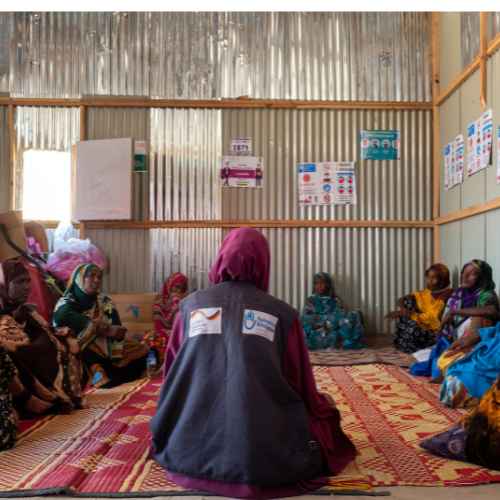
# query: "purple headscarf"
[[243, 256]]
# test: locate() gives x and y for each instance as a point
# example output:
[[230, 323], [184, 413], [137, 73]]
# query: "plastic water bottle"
[[151, 363]]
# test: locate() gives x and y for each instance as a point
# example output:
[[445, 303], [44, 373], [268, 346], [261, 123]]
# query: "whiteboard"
[[102, 180]]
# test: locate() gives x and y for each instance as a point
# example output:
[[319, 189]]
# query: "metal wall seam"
[[5, 165], [386, 189], [6, 26], [43, 128], [115, 123], [207, 55], [185, 156], [469, 36]]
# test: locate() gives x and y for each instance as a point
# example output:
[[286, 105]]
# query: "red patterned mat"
[[105, 448]]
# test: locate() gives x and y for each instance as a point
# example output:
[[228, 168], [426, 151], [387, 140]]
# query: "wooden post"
[[436, 139], [483, 54]]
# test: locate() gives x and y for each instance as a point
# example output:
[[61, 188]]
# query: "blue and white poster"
[[380, 145]]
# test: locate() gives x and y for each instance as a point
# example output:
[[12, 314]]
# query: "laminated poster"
[[454, 162], [242, 171], [326, 183], [241, 146], [380, 144], [486, 138], [447, 165], [479, 143]]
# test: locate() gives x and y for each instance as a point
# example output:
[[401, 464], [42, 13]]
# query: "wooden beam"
[[483, 55], [11, 125], [272, 224], [493, 46], [459, 80], [436, 243], [465, 213], [216, 103]]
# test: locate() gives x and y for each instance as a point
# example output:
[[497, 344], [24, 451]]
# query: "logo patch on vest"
[[205, 322], [259, 323]]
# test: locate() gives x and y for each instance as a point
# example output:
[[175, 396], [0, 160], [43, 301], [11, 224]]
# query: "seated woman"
[[472, 306], [475, 367], [239, 413], [164, 312], [325, 321], [92, 317], [419, 318], [48, 371], [476, 438]]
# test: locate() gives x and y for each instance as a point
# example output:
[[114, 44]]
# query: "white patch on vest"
[[259, 323], [205, 322]]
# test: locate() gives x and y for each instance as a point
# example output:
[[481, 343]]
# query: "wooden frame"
[[465, 213], [261, 224], [125, 102]]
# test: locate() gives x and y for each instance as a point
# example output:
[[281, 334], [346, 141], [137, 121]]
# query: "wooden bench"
[[135, 310]]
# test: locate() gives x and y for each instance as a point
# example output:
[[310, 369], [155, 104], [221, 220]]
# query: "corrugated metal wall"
[[43, 128], [282, 55], [386, 189], [185, 155], [372, 268], [5, 39], [470, 36], [494, 24], [141, 260], [5, 165], [114, 123], [477, 236]]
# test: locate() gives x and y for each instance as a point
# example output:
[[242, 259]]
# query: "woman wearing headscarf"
[[164, 311], [326, 323], [48, 370], [91, 315], [419, 317], [239, 414], [471, 306]]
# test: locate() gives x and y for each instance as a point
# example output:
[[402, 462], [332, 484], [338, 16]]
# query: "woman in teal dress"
[[326, 323]]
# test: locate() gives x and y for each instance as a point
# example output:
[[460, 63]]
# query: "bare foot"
[[37, 405]]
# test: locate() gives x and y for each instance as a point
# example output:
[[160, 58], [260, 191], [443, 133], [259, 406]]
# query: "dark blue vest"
[[226, 412]]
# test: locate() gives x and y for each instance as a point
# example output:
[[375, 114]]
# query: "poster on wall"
[[486, 138], [241, 146], [326, 183], [454, 162], [140, 155], [380, 144], [498, 155], [345, 184], [447, 165], [479, 143], [242, 171], [459, 158]]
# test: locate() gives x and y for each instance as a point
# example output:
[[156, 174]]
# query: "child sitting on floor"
[[326, 322]]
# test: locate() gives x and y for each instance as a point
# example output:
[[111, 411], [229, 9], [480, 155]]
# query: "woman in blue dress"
[[326, 323]]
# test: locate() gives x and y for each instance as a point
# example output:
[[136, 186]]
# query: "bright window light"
[[47, 185]]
